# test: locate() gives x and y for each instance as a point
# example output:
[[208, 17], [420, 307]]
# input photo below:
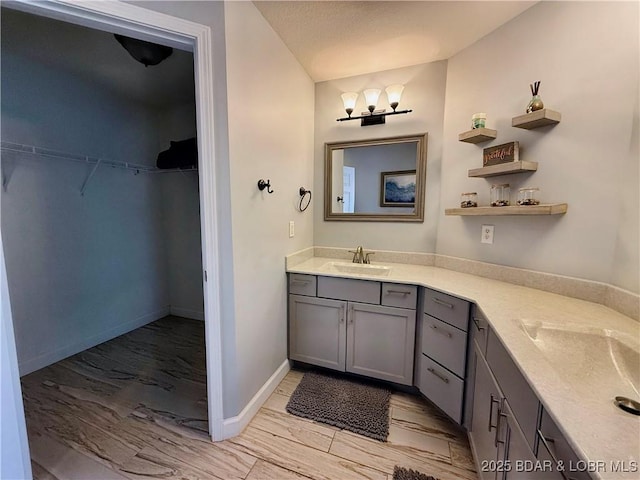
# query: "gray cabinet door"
[[317, 332], [519, 457], [486, 404], [380, 342]]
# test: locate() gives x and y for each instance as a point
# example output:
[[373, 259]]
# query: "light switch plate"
[[292, 229], [487, 234]]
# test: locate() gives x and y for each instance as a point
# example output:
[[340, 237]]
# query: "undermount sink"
[[589, 358], [357, 268]]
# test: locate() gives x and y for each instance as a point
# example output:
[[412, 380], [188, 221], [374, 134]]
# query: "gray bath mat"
[[400, 473], [344, 403]]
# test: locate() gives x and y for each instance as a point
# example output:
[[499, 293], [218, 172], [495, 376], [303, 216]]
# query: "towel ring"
[[303, 193]]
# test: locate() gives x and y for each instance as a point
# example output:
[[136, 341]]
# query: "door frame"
[[126, 19]]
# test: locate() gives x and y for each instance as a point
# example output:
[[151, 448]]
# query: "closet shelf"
[[46, 152]]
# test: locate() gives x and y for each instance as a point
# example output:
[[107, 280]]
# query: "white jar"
[[478, 120]]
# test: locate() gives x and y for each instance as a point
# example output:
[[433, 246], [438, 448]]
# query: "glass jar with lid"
[[529, 196], [468, 200], [500, 195]]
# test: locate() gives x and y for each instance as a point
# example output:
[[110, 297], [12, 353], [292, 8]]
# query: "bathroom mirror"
[[379, 180]]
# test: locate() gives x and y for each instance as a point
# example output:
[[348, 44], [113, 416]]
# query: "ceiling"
[[331, 39], [97, 57], [337, 39]]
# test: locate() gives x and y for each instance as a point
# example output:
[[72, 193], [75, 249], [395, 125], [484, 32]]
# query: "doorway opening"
[[140, 23]]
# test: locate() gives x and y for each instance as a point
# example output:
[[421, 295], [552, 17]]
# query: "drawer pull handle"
[[301, 282], [443, 303], [477, 323], [500, 417], [398, 292], [441, 377], [441, 331], [545, 442], [493, 400]]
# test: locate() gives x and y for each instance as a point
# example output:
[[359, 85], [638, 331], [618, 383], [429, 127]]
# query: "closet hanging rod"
[[46, 152]]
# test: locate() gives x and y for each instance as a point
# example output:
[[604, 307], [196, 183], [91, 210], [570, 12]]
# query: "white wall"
[[271, 137], [586, 55], [81, 269], [424, 93]]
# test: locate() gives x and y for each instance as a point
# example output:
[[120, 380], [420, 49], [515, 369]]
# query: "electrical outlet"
[[292, 229], [487, 234]]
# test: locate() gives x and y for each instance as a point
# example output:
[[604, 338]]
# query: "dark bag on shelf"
[[182, 154]]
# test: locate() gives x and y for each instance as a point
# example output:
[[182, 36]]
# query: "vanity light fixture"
[[371, 95]]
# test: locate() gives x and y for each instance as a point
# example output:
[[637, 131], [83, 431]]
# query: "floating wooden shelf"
[[478, 135], [542, 209], [539, 118], [504, 169]]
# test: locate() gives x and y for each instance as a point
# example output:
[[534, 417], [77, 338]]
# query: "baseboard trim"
[[186, 313], [233, 426], [48, 358]]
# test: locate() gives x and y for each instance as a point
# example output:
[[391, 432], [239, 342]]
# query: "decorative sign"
[[505, 153]]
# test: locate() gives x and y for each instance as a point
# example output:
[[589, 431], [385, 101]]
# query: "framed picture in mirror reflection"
[[398, 188]]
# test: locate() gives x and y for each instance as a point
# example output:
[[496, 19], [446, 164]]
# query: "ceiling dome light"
[[146, 53]]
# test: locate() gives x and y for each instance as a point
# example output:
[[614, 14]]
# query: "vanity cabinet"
[[355, 326], [511, 434], [442, 361], [554, 449]]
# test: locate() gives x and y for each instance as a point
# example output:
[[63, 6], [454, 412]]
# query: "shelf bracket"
[[88, 179]]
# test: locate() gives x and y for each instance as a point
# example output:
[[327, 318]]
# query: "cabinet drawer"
[[363, 291], [480, 326], [516, 389], [441, 387], [399, 295], [449, 309], [445, 344], [302, 284], [554, 447]]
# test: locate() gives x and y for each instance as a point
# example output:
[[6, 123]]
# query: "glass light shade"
[[371, 95], [394, 92], [349, 100]]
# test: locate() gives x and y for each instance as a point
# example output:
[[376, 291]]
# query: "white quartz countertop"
[[578, 394]]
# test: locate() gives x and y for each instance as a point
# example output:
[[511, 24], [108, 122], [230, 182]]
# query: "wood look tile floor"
[[135, 408]]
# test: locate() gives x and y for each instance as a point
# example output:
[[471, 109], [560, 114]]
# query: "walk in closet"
[[98, 241]]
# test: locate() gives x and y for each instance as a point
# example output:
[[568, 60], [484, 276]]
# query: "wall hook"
[[262, 185], [303, 193]]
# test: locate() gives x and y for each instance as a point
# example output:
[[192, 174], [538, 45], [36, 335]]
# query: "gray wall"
[[181, 220], [83, 269], [369, 163], [587, 60], [424, 93], [257, 136]]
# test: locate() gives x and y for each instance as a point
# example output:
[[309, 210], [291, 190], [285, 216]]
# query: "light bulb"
[[371, 95], [394, 92], [349, 100]]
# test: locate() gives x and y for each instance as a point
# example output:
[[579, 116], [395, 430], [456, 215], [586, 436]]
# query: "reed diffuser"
[[536, 101]]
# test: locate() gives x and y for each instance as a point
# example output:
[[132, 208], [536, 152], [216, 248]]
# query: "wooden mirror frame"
[[421, 170]]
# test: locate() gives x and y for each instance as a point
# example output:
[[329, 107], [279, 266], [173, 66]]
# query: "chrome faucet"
[[359, 256]]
